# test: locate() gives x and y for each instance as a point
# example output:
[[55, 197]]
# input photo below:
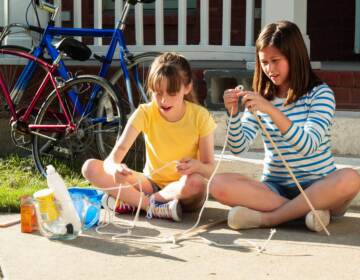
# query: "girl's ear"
[[188, 88]]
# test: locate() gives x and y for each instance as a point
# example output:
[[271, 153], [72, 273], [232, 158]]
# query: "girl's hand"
[[255, 102], [231, 100], [121, 172], [188, 166]]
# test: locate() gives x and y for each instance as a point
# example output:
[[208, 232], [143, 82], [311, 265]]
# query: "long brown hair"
[[287, 38], [176, 70]]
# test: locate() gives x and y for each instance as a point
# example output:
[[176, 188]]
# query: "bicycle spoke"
[[92, 134]]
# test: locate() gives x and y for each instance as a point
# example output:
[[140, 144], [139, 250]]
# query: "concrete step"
[[345, 132], [251, 164]]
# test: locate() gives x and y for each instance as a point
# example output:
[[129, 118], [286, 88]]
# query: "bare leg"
[[333, 193], [234, 189], [93, 170]]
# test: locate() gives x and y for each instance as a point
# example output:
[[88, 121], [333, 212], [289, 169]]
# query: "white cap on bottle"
[[50, 169]]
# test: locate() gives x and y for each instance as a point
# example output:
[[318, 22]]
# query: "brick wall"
[[331, 28], [346, 85]]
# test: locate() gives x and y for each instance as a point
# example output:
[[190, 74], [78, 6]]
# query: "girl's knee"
[[195, 183], [217, 189], [89, 167], [349, 182]]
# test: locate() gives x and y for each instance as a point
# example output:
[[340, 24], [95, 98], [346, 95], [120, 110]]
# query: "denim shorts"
[[292, 192], [288, 192], [155, 187]]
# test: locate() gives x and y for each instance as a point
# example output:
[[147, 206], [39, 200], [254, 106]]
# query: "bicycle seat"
[[134, 2], [74, 48]]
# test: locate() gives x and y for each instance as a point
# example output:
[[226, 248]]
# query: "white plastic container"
[[67, 210], [48, 216]]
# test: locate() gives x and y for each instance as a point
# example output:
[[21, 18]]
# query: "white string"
[[129, 226], [111, 213], [259, 249], [208, 183], [174, 238]]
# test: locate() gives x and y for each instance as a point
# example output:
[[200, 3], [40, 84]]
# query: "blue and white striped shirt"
[[305, 145]]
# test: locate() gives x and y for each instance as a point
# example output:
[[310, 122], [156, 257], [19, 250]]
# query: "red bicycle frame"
[[49, 77]]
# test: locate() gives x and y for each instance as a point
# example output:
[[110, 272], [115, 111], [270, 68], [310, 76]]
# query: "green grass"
[[18, 176]]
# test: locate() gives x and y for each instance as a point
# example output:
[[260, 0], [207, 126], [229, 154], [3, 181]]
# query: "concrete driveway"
[[293, 253]]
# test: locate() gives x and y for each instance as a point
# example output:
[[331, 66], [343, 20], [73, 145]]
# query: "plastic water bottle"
[[68, 212]]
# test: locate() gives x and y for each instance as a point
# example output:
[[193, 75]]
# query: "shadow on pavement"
[[344, 232], [90, 240]]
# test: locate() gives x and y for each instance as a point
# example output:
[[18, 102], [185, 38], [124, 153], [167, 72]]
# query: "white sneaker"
[[313, 224], [169, 210], [240, 217]]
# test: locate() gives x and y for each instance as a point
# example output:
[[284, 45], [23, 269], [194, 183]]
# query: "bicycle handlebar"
[[50, 8], [53, 9], [36, 29]]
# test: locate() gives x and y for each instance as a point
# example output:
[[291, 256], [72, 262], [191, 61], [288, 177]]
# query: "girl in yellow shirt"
[[179, 147]]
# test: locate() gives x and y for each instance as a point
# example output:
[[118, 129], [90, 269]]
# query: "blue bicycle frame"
[[117, 39]]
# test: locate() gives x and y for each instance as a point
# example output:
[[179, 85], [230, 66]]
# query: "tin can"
[[47, 207], [27, 214]]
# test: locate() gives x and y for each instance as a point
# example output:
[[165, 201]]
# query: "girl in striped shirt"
[[297, 110]]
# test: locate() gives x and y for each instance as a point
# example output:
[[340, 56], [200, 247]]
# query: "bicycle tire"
[[143, 62], [67, 149], [11, 67], [135, 158]]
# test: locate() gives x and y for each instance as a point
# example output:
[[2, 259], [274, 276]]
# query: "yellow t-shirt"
[[168, 141]]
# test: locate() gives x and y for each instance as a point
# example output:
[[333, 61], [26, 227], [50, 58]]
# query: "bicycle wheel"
[[11, 67], [142, 62], [21, 91], [135, 158], [95, 130]]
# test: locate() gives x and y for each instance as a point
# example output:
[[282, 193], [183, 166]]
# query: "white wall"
[[14, 11], [292, 10], [2, 13]]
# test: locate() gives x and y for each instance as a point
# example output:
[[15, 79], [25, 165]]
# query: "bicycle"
[[79, 119], [122, 79]]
